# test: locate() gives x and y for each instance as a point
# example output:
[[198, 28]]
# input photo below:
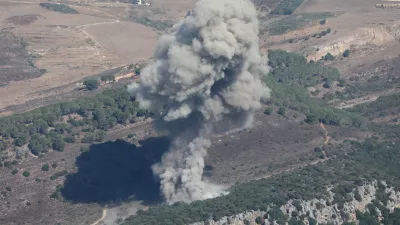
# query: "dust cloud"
[[207, 71]]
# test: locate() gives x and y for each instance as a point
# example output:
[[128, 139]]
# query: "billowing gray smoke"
[[206, 73]]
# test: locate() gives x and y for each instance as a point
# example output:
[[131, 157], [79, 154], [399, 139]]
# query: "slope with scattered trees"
[[360, 162], [85, 119]]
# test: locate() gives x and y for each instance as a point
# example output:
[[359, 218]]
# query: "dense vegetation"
[[84, 120], [290, 75], [291, 68], [286, 7], [57, 7], [360, 162]]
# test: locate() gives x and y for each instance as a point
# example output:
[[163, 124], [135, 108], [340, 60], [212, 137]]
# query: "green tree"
[[26, 173], [45, 167], [106, 78], [259, 220], [21, 140], [269, 110], [282, 111], [91, 84], [329, 57], [14, 171], [346, 53], [137, 70], [58, 143]]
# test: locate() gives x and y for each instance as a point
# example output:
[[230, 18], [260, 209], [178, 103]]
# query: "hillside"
[[76, 148]]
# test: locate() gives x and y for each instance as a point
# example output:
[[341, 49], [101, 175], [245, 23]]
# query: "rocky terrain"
[[322, 210]]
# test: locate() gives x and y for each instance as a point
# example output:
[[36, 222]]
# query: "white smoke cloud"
[[207, 71]]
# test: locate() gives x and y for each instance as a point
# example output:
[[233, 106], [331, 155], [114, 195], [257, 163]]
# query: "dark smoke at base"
[[206, 72]]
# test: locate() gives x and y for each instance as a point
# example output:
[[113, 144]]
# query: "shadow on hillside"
[[115, 172]]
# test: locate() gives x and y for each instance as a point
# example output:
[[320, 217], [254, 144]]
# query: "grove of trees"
[[288, 79], [51, 126]]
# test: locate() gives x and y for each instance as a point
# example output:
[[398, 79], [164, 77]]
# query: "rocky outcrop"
[[362, 37], [319, 209]]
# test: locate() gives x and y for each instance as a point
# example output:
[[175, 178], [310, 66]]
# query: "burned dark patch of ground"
[[15, 60], [29, 200], [115, 172], [22, 20]]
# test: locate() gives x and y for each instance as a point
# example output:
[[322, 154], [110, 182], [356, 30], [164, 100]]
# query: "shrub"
[[322, 22], [329, 57], [26, 173], [282, 111], [137, 71], [269, 110], [8, 188], [259, 220], [346, 53], [54, 165], [45, 167], [14, 171], [107, 78], [91, 84]]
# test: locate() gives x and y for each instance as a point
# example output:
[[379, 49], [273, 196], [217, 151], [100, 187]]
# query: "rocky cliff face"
[[319, 209]]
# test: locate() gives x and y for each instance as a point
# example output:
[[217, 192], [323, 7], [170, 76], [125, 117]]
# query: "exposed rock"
[[318, 209]]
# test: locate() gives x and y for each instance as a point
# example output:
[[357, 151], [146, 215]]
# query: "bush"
[[107, 78], [45, 167], [329, 57], [269, 110], [54, 165], [14, 171], [26, 173], [8, 188], [91, 84], [58, 143], [322, 22], [282, 111], [259, 220], [137, 71], [346, 53]]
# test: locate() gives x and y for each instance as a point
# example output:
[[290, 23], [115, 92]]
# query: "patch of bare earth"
[[71, 47]]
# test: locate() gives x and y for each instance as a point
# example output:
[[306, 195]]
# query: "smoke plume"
[[206, 73]]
